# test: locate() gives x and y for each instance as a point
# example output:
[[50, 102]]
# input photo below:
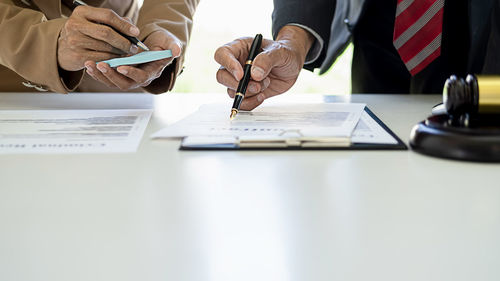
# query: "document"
[[370, 131], [72, 131], [142, 57], [285, 125]]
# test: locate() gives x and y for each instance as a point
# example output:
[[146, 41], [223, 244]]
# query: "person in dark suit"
[[313, 33]]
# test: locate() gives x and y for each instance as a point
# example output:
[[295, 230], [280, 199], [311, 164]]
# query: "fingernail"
[[180, 49], [252, 88], [258, 72], [261, 97], [134, 30], [235, 74], [102, 68], [123, 71], [133, 49], [267, 81], [89, 69]]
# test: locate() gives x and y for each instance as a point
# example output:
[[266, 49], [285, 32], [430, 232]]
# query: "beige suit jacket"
[[29, 30]]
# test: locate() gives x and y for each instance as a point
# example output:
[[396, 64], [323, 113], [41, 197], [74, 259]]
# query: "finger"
[[156, 66], [249, 103], [270, 92], [122, 82], [264, 62], [138, 75], [153, 72], [172, 44], [81, 34], [227, 79], [164, 40], [176, 49], [252, 101], [265, 83], [232, 93], [109, 17], [97, 56], [98, 76], [91, 44], [107, 34], [255, 87], [92, 70], [226, 57]]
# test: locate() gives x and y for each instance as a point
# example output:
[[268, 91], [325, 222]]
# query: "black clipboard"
[[400, 145]]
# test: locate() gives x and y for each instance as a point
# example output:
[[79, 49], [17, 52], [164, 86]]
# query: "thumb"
[[266, 61], [176, 48]]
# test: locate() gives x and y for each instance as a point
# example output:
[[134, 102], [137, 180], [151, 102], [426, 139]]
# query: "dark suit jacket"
[[335, 20]]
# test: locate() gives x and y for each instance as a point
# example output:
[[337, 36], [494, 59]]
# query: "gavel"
[[472, 95]]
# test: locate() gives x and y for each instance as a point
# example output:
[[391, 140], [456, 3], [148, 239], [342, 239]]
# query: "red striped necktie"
[[418, 32]]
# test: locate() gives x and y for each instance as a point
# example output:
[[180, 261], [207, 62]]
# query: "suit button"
[[37, 87], [41, 88], [348, 24], [28, 84]]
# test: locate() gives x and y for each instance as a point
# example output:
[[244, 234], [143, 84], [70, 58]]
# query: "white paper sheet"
[[72, 131], [369, 131], [314, 120]]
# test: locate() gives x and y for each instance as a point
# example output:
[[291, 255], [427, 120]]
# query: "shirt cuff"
[[317, 47]]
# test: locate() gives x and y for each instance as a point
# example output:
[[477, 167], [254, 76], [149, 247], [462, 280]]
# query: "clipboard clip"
[[290, 132], [292, 138]]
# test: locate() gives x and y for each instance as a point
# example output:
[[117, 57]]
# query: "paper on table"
[[311, 120], [142, 57], [72, 131], [369, 131]]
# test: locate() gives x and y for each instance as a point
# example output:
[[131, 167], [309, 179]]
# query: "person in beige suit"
[[49, 45]]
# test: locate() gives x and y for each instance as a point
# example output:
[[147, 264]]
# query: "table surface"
[[165, 214]]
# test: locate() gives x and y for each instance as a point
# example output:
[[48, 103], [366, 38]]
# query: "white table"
[[164, 214]]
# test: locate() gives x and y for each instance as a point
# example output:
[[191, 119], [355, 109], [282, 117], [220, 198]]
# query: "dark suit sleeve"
[[315, 14]]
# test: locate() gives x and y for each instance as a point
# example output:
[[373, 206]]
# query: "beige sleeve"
[[176, 16], [29, 46]]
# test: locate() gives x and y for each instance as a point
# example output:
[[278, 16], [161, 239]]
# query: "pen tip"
[[143, 46], [233, 114]]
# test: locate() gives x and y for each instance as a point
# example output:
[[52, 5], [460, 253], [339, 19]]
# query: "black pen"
[[242, 86], [132, 39]]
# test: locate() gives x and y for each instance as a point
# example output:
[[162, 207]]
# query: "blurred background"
[[217, 22]]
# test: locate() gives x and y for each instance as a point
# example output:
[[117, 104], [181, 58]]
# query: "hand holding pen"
[[91, 35], [274, 70], [242, 86], [94, 34], [132, 39]]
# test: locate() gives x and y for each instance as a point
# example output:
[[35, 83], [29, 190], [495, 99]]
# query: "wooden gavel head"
[[472, 95]]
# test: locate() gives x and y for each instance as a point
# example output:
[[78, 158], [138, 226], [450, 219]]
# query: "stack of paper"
[[288, 125]]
